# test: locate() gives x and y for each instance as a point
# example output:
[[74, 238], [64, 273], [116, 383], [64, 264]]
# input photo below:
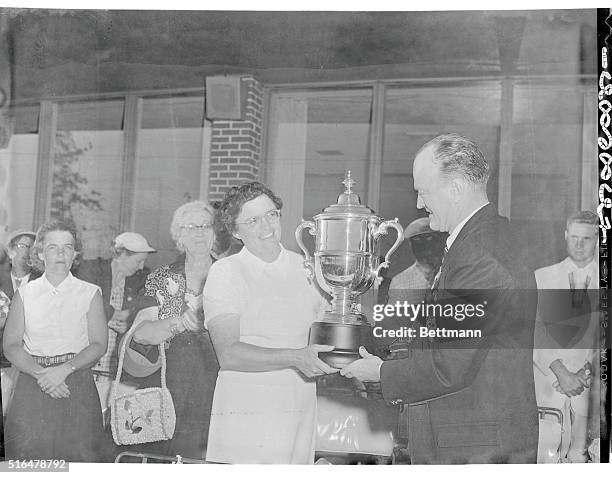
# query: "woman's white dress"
[[263, 417]]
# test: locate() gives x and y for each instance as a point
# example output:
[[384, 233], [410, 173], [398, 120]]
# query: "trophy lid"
[[348, 201]]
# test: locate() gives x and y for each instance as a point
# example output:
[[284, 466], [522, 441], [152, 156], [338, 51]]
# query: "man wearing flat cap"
[[15, 271], [18, 251], [427, 247], [121, 280]]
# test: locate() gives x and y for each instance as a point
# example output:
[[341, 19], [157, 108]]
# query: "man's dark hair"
[[582, 217], [457, 155]]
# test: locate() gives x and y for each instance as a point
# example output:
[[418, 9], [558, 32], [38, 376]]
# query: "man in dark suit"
[[466, 399], [15, 271], [20, 272]]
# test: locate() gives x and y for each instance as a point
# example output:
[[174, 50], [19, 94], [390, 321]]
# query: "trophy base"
[[337, 386], [345, 338]]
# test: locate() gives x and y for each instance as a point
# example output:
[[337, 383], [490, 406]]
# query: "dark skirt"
[[191, 376], [40, 427]]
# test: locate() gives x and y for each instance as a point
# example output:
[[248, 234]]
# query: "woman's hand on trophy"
[[308, 362], [366, 369]]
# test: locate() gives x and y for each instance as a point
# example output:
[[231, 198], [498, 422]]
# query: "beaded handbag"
[[145, 415]]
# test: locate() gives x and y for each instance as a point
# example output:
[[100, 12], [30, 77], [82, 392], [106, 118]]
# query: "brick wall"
[[235, 150]]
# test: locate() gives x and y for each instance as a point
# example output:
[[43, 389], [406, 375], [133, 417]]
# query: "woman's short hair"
[[55, 225], [181, 212], [236, 197]]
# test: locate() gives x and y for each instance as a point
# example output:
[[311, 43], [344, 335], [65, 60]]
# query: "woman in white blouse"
[[258, 308], [55, 331]]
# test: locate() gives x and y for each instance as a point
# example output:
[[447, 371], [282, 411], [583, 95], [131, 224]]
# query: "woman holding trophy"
[[258, 307]]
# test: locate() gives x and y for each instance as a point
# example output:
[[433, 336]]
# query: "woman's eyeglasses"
[[20, 245], [197, 227], [272, 216]]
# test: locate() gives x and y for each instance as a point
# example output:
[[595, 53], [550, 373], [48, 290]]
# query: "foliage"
[[69, 185]]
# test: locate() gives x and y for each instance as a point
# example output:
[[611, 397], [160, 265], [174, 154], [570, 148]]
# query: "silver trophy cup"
[[346, 264]]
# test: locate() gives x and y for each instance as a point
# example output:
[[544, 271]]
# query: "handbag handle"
[[127, 339]]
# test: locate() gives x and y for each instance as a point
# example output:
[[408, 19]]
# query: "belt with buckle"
[[51, 361]]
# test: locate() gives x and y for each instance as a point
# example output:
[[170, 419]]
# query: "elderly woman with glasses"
[[56, 330], [259, 307], [175, 291]]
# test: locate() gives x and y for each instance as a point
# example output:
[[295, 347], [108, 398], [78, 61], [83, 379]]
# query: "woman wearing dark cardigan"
[[176, 289]]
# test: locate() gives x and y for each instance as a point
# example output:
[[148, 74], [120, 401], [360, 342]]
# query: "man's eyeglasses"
[[20, 245], [197, 227], [272, 216]]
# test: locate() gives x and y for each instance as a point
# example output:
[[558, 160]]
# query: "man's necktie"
[[437, 278]]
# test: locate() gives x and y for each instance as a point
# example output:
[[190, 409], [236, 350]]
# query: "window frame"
[[132, 125]]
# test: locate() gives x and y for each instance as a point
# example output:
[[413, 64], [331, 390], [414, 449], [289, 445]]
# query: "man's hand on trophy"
[[308, 361], [366, 369]]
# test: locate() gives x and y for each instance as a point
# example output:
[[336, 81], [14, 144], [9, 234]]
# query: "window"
[[19, 159], [110, 164], [171, 148], [87, 170], [415, 115], [315, 138], [550, 165]]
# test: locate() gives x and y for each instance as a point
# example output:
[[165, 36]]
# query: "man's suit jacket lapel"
[[7, 283], [452, 256], [8, 288]]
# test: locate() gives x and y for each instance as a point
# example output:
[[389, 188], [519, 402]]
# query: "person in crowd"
[[5, 303], [192, 367], [121, 280], [412, 284], [19, 244], [470, 399], [55, 331], [259, 307], [563, 362], [8, 374], [5, 365], [427, 246]]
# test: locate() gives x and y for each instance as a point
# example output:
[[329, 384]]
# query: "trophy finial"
[[348, 197], [348, 182]]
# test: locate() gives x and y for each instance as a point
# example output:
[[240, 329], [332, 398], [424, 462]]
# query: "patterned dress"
[[191, 367]]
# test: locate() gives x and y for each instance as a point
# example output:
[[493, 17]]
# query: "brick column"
[[235, 150]]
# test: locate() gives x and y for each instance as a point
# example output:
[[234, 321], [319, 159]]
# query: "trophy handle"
[[308, 263], [382, 229]]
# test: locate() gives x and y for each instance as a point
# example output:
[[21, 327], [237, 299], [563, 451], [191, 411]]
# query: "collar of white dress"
[[259, 263], [63, 286]]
